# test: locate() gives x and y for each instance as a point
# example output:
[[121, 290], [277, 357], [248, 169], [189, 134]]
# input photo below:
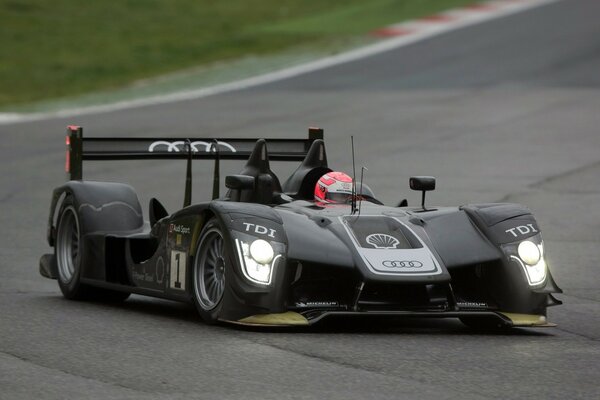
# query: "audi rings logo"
[[402, 264], [179, 146]]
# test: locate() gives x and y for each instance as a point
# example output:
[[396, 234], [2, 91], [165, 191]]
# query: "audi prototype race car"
[[270, 254]]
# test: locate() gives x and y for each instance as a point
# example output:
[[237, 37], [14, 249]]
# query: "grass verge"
[[64, 48]]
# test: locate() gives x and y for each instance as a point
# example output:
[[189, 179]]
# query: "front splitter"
[[311, 317]]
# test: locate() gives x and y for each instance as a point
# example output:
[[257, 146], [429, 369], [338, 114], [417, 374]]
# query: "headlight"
[[261, 251], [531, 259], [529, 252], [536, 274], [257, 260]]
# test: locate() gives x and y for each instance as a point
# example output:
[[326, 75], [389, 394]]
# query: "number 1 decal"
[[178, 268]]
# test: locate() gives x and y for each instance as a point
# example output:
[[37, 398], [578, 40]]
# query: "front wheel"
[[210, 263]]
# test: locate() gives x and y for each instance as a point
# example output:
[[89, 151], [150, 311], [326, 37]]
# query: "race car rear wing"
[[81, 148]]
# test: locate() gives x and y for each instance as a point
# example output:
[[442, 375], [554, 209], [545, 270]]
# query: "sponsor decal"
[[184, 230], [382, 241], [394, 259], [138, 276], [160, 270], [313, 304], [179, 230], [145, 275], [522, 230], [196, 146], [259, 229], [402, 264], [471, 304], [178, 268]]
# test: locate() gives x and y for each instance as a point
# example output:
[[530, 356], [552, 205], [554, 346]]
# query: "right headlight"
[[261, 251], [257, 260]]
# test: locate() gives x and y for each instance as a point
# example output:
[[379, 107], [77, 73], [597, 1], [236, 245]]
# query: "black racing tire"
[[209, 266], [68, 250], [485, 324]]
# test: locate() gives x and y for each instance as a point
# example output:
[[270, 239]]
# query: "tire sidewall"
[[72, 289], [209, 316]]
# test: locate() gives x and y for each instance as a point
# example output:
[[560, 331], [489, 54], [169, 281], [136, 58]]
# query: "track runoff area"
[[392, 37]]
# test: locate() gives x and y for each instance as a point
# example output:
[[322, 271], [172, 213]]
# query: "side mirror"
[[239, 182], [422, 184]]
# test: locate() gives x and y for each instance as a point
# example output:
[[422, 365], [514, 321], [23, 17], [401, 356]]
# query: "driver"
[[334, 187]]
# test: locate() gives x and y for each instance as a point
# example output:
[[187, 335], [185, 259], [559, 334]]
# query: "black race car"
[[268, 254]]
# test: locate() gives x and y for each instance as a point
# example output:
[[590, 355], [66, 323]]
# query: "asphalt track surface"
[[503, 111]]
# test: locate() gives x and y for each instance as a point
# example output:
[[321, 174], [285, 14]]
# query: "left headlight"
[[529, 252], [257, 260], [531, 259]]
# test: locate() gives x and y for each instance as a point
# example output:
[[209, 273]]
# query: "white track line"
[[407, 33]]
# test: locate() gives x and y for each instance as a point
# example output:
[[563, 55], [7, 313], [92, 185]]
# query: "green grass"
[[62, 48]]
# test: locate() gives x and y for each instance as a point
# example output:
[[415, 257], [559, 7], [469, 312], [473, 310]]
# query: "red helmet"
[[334, 187]]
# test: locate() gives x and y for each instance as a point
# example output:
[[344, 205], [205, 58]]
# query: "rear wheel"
[[68, 250], [210, 263]]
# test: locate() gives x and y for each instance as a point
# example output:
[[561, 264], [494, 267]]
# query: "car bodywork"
[[329, 259]]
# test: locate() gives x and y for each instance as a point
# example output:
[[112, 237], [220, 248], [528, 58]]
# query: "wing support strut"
[[187, 200], [216, 176]]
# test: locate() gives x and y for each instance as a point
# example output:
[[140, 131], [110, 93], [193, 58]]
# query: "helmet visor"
[[338, 197]]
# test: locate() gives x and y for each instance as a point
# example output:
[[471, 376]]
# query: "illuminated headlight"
[[529, 252], [531, 259], [536, 274], [261, 251], [257, 260]]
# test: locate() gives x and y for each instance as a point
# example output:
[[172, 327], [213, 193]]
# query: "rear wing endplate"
[[80, 148]]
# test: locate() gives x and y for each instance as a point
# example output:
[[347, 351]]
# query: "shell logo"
[[382, 241]]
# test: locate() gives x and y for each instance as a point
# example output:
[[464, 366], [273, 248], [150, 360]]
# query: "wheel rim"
[[209, 270], [67, 245]]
